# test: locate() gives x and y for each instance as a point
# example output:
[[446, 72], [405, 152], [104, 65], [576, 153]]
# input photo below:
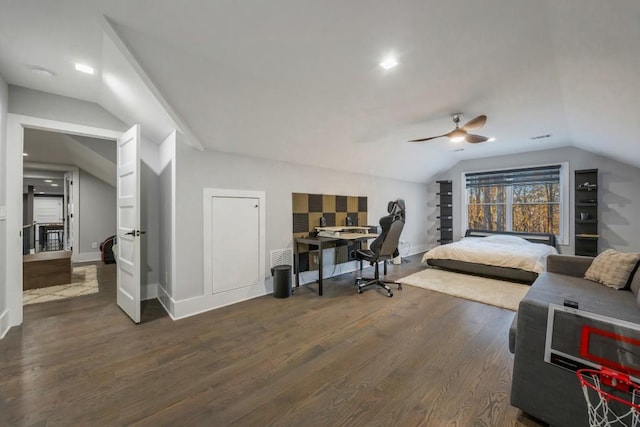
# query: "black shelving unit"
[[445, 206], [586, 212]]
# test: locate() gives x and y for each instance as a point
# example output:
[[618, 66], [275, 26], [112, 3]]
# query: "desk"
[[322, 243]]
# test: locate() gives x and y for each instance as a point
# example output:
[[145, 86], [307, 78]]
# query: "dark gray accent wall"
[[619, 192]]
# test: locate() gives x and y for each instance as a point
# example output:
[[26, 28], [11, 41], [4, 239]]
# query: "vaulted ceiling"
[[299, 80]]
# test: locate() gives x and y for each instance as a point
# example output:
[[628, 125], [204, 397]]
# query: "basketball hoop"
[[612, 398]]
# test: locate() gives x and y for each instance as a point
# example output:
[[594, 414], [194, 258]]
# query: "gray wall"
[[619, 192], [97, 212], [4, 106], [108, 151], [165, 211], [197, 170], [55, 107], [150, 223]]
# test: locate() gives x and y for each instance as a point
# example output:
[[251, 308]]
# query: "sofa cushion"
[[612, 268]]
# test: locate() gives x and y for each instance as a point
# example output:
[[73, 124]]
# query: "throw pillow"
[[612, 268]]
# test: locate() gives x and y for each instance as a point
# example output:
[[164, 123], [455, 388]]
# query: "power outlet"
[[94, 245]]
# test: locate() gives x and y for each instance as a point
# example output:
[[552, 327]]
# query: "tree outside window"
[[513, 202]]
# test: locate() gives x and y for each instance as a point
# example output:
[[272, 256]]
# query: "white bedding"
[[497, 250]]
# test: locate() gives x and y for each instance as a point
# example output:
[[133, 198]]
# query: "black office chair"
[[384, 247]]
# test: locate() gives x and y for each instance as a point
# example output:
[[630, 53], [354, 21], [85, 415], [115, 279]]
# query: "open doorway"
[[48, 207], [68, 213], [18, 130]]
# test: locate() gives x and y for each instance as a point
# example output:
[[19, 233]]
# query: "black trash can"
[[281, 281]]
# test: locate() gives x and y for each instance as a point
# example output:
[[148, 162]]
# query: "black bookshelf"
[[445, 215], [586, 212]]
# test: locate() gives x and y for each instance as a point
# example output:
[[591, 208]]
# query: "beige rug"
[[84, 282], [488, 291]]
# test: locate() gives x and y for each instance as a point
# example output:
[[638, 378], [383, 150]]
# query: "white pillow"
[[507, 239]]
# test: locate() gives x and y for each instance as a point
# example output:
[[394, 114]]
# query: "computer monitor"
[[579, 339]]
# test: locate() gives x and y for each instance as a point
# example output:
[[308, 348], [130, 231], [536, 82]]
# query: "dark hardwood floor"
[[419, 358]]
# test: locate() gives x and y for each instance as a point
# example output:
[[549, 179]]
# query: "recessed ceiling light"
[[83, 68], [48, 180], [41, 71], [389, 62], [54, 185], [25, 154]]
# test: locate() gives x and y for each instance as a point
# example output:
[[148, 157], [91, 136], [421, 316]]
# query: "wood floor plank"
[[419, 358]]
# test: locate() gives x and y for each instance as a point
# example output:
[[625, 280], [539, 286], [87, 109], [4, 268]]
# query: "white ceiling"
[[298, 80]]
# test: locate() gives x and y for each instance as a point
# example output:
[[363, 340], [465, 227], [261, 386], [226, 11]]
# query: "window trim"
[[565, 223]]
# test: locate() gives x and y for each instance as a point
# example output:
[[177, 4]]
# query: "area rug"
[[475, 288], [84, 282]]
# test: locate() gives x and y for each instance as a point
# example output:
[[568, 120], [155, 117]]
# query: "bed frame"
[[514, 274]]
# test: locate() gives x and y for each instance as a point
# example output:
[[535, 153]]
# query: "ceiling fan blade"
[[476, 123], [474, 139], [427, 139]]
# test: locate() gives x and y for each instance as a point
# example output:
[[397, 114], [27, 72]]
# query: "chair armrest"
[[571, 265]]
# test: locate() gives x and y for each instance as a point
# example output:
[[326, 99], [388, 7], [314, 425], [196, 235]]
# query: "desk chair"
[[384, 247]]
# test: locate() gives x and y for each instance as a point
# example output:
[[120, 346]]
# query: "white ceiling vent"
[[541, 136]]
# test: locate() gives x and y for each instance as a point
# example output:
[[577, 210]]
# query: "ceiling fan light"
[[457, 138]]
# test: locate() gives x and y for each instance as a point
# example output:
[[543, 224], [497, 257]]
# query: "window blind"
[[535, 175]]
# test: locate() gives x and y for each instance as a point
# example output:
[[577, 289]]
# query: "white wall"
[[619, 192], [4, 106], [197, 170], [97, 214]]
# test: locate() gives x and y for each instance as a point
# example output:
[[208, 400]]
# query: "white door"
[[235, 237], [128, 223], [68, 210]]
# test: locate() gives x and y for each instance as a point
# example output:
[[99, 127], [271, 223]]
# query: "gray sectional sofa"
[[544, 391]]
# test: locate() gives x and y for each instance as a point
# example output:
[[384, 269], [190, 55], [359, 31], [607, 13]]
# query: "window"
[[521, 200]]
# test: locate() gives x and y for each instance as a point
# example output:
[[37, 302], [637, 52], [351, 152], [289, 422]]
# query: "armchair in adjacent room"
[[384, 247]]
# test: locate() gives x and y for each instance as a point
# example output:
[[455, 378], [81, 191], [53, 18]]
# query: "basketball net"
[[612, 398]]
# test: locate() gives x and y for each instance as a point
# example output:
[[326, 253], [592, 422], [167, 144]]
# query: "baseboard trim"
[[165, 300], [420, 248], [201, 304], [88, 257], [4, 323]]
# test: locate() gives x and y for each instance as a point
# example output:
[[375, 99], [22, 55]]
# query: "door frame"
[[75, 173], [16, 123]]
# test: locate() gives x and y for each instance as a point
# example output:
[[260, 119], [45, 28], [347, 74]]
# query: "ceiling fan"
[[460, 134]]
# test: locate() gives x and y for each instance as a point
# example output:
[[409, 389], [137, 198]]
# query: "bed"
[[508, 255]]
